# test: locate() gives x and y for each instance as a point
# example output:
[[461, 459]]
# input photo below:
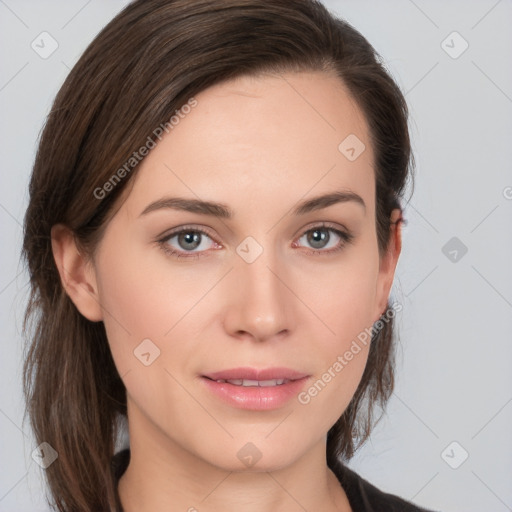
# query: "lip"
[[256, 398]]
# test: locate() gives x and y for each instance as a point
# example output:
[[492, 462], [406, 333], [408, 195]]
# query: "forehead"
[[255, 138]]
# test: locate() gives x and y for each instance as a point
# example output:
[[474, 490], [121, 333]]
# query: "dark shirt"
[[361, 494]]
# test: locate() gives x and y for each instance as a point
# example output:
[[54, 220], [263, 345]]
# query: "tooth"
[[255, 383], [247, 382]]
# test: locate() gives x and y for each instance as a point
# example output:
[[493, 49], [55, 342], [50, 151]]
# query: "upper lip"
[[259, 374]]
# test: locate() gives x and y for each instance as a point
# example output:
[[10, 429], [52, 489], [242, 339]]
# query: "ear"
[[388, 263], [77, 273]]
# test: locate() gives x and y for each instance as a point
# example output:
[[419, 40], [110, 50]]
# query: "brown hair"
[[141, 68]]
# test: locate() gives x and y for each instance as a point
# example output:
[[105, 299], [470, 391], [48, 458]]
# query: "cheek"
[[342, 294], [145, 316], [332, 389], [339, 359], [143, 297], [132, 305]]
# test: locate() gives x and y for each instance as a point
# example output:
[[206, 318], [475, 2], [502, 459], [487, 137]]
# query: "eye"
[[192, 242], [325, 239], [187, 240]]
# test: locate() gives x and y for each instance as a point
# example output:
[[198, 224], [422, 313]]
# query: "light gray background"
[[454, 378]]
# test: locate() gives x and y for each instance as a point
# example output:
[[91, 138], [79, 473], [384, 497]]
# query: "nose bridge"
[[261, 303]]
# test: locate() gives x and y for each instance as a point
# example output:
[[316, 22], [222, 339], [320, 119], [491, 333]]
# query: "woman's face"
[[266, 285]]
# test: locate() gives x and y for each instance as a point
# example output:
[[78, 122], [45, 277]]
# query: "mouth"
[[255, 389], [253, 383]]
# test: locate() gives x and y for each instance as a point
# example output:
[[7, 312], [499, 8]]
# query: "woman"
[[212, 235]]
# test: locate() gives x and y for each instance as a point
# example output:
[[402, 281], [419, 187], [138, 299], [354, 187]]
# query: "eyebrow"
[[224, 212]]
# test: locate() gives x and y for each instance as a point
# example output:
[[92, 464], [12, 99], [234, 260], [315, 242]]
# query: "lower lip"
[[256, 398]]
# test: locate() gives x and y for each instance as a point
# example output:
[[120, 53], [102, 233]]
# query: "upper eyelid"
[[182, 229]]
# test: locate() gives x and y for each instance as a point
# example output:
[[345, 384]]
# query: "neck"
[[162, 474]]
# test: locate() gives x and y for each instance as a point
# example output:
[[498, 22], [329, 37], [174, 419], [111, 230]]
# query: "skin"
[[258, 145]]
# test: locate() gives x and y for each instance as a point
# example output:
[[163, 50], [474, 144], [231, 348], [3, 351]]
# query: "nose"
[[260, 305]]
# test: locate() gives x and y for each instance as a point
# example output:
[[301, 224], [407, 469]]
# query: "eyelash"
[[346, 238]]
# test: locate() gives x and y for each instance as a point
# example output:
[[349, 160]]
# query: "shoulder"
[[365, 497]]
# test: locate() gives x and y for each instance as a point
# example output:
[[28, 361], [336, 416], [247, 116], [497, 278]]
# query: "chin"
[[254, 454]]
